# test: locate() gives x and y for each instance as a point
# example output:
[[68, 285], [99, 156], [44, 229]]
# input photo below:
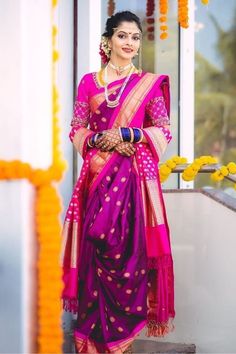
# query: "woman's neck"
[[117, 61]]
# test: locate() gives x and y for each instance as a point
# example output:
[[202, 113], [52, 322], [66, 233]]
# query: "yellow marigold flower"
[[189, 172], [217, 176], [205, 2], [54, 3], [171, 164], [183, 160], [54, 30], [195, 166], [176, 159], [232, 167], [55, 55], [165, 170], [224, 170]]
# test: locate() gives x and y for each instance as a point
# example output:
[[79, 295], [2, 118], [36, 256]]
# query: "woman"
[[116, 253]]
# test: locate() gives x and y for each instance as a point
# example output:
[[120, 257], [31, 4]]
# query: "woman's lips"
[[126, 50]]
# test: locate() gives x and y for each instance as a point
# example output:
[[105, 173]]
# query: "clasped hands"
[[111, 141]]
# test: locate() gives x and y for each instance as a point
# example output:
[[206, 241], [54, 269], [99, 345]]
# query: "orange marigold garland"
[[183, 13], [163, 10], [48, 227]]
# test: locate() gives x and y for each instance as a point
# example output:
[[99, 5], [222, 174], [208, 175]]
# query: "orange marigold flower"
[[164, 35]]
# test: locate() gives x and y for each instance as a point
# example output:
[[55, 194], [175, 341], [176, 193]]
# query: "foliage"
[[215, 105]]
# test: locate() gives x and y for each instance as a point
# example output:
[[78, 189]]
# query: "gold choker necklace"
[[119, 69]]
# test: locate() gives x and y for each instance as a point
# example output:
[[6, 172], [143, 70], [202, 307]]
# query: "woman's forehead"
[[128, 27]]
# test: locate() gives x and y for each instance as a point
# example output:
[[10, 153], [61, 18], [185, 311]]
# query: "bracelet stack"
[[92, 140], [132, 135]]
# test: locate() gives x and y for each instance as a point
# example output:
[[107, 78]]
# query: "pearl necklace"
[[119, 69], [116, 102]]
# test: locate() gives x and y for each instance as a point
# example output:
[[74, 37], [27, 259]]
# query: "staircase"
[[139, 346], [153, 346]]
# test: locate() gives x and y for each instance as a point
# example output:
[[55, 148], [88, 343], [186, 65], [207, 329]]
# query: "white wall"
[[25, 118], [203, 245]]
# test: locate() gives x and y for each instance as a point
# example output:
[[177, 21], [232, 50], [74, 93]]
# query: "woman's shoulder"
[[155, 75]]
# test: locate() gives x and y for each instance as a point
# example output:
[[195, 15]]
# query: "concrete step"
[[154, 346]]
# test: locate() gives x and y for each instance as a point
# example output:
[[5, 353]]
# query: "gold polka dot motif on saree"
[[118, 203], [102, 236], [128, 291], [112, 230], [117, 256], [127, 308], [139, 308], [95, 293], [123, 179], [112, 319], [93, 325], [127, 275], [109, 278], [97, 111], [108, 178], [107, 199], [120, 329], [103, 119], [115, 168], [115, 189]]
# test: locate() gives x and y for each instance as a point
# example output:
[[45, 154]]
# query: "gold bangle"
[[120, 134], [131, 135], [88, 142]]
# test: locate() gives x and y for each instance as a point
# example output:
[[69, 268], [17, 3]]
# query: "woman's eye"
[[121, 36], [136, 38]]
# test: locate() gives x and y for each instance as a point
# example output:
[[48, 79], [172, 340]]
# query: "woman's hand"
[[125, 148], [109, 139]]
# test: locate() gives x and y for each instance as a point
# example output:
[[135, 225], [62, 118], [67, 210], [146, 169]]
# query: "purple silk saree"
[[116, 253]]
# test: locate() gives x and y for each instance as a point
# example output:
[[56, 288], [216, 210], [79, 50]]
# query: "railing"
[[204, 169]]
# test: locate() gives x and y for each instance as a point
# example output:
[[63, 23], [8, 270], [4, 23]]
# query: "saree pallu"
[[116, 253]]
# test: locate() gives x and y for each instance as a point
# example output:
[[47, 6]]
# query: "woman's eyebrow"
[[128, 32]]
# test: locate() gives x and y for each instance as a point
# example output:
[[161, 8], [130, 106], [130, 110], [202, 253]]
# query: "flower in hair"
[[105, 51]]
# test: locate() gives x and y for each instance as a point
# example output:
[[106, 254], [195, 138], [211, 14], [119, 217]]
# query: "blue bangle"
[[137, 134], [126, 136]]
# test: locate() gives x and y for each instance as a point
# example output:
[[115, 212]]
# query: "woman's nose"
[[129, 41]]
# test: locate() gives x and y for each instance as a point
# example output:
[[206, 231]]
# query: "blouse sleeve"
[[156, 126], [79, 132], [157, 113]]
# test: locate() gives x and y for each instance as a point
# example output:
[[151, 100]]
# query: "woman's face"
[[125, 41]]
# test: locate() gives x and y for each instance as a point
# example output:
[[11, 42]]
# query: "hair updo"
[[115, 20]]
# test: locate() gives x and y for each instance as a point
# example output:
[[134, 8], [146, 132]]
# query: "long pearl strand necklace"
[[116, 102]]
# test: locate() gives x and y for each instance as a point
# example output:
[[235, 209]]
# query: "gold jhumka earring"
[[139, 53]]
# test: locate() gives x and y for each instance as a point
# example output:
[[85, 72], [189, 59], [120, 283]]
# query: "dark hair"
[[115, 21]]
